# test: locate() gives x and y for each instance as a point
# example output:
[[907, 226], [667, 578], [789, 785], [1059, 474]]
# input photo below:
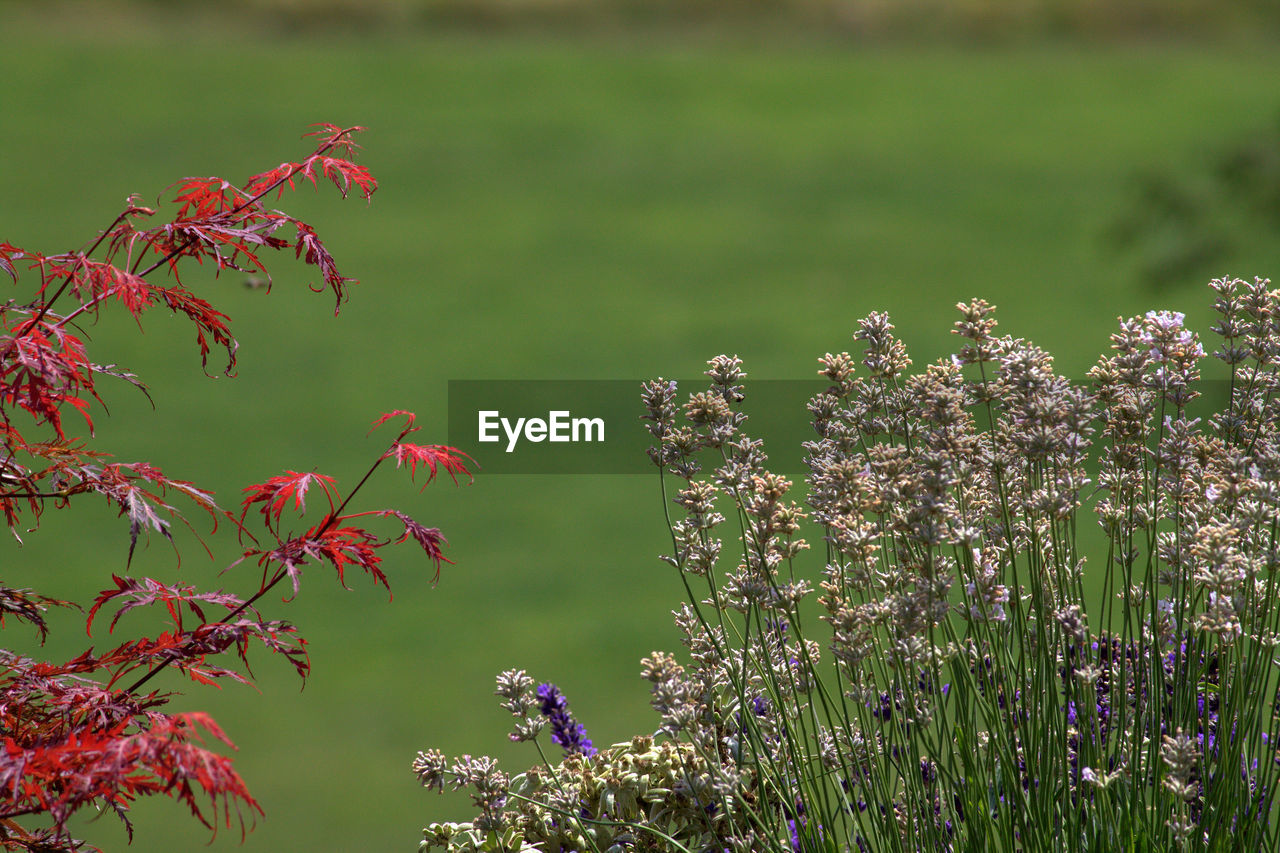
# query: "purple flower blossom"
[[566, 732]]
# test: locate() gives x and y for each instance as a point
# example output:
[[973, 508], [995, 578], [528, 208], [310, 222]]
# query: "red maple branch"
[[70, 737]]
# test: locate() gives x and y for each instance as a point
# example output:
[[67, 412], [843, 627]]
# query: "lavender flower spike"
[[565, 730]]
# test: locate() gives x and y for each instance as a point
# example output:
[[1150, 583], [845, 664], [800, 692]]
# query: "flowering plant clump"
[[92, 732], [998, 670]]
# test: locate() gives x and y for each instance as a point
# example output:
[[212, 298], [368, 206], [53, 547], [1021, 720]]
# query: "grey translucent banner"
[[547, 426]]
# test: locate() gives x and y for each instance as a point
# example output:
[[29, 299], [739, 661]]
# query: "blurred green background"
[[569, 190]]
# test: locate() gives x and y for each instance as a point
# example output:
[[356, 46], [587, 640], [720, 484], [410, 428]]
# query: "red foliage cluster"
[[84, 732]]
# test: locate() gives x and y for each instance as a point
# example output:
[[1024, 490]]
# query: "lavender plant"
[[983, 683]]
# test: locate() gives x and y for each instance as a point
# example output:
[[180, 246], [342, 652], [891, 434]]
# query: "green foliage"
[[653, 796], [1186, 221], [842, 19]]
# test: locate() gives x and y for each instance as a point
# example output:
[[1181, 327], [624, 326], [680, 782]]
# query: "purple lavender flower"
[[567, 732]]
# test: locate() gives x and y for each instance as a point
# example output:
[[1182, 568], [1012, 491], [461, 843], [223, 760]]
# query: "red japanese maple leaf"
[[275, 494]]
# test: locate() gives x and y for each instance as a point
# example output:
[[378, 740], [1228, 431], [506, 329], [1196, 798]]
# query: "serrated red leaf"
[[130, 593], [341, 547], [429, 538], [275, 494], [409, 417], [430, 456]]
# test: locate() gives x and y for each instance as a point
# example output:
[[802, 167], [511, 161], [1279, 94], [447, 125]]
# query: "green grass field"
[[595, 209]]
